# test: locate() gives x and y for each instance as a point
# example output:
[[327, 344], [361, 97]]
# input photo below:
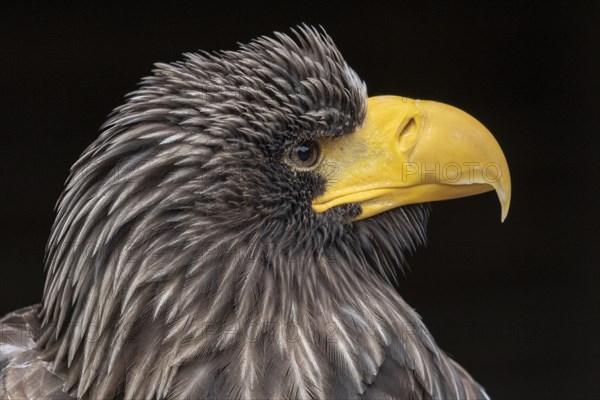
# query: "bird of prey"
[[235, 232]]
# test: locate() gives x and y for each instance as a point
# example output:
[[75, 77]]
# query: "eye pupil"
[[304, 155]]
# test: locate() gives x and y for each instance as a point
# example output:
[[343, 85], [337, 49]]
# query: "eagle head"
[[235, 228]]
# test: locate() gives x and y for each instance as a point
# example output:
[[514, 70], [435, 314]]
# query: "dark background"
[[516, 303]]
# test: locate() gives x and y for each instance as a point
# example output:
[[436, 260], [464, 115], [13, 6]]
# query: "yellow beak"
[[411, 151]]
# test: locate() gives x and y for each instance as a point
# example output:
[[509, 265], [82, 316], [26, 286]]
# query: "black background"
[[516, 303]]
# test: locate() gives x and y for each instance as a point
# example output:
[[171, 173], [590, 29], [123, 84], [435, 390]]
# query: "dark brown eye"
[[304, 155]]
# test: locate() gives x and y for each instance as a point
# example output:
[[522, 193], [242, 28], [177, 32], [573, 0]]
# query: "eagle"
[[236, 231]]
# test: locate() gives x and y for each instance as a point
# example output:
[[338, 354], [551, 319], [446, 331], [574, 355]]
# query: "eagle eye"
[[304, 155]]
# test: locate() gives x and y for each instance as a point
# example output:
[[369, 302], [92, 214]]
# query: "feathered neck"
[[169, 314]]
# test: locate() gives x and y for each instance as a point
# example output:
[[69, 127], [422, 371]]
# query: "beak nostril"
[[407, 135]]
